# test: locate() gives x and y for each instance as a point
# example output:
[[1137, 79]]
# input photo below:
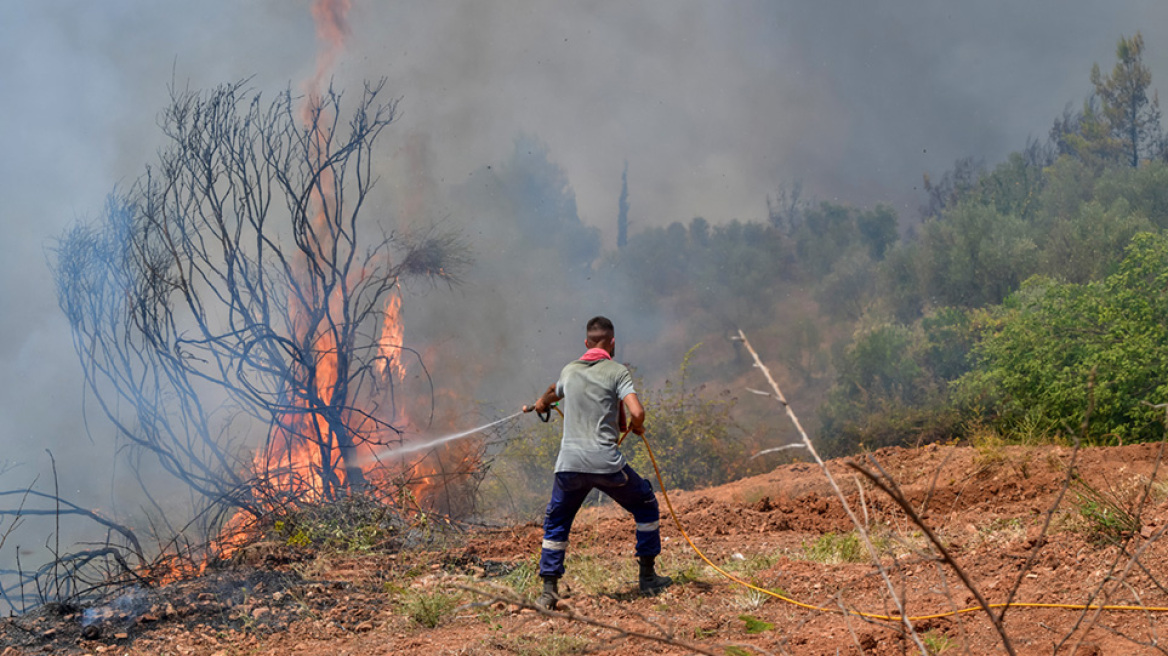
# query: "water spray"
[[422, 446]]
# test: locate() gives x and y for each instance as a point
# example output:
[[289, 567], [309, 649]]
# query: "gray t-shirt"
[[592, 393]]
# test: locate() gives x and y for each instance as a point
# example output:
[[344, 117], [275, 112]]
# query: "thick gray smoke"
[[713, 105]]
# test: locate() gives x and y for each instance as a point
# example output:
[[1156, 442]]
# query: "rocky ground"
[[784, 531]]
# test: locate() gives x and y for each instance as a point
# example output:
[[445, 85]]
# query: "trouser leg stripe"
[[555, 545], [648, 526]]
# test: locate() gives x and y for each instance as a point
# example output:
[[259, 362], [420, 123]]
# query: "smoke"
[[713, 106]]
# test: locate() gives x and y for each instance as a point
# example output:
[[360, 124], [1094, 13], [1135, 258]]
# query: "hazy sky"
[[713, 104]]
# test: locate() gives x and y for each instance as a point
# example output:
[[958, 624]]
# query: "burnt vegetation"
[[230, 308]]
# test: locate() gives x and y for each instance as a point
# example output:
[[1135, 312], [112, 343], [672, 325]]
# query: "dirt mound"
[[1020, 523]]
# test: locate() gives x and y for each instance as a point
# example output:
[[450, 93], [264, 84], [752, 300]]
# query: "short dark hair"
[[599, 329]]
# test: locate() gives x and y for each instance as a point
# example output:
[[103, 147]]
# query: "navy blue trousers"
[[632, 492]]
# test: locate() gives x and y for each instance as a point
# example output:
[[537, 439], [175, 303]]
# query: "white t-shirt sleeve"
[[624, 385]]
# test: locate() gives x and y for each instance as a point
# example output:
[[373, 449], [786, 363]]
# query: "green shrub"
[[937, 642], [889, 389], [832, 548], [1038, 350], [755, 625], [694, 439], [352, 523], [524, 578], [427, 608], [1109, 515]]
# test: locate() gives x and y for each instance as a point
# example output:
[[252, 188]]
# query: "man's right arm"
[[636, 413], [544, 402]]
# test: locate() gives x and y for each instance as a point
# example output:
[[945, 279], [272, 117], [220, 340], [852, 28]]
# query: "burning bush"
[[238, 319]]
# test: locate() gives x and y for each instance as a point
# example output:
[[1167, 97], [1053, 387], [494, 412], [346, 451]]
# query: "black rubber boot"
[[551, 593], [649, 581]]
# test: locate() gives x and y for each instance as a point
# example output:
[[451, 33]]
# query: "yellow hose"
[[872, 616]]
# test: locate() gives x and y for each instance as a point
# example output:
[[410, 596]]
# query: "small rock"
[[1147, 531], [260, 611], [364, 627], [49, 634], [121, 636]]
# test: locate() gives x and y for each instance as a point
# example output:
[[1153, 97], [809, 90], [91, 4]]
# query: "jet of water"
[[422, 446]]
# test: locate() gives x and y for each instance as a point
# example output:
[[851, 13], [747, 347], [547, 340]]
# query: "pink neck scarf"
[[595, 354]]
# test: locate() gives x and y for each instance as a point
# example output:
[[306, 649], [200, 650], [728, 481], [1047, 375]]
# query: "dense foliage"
[[1041, 346], [1019, 280]]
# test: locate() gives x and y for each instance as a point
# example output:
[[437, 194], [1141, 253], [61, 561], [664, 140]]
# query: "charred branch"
[[235, 279]]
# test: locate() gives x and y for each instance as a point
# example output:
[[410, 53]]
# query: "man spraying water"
[[594, 389]]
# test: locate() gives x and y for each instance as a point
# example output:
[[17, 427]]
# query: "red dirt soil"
[[987, 507]]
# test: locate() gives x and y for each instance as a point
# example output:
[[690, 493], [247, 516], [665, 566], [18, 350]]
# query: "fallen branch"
[[72, 509]]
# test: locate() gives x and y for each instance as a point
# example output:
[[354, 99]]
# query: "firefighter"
[[596, 391]]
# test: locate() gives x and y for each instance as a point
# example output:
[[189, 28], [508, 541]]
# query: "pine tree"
[[1133, 116]]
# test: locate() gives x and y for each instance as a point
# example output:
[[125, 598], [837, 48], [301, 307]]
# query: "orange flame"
[[332, 26], [391, 341], [303, 458], [291, 463]]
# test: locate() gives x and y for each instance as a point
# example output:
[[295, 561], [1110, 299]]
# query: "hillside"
[[783, 530]]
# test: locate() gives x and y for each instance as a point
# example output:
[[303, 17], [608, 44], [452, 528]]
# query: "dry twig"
[[889, 487], [860, 528]]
